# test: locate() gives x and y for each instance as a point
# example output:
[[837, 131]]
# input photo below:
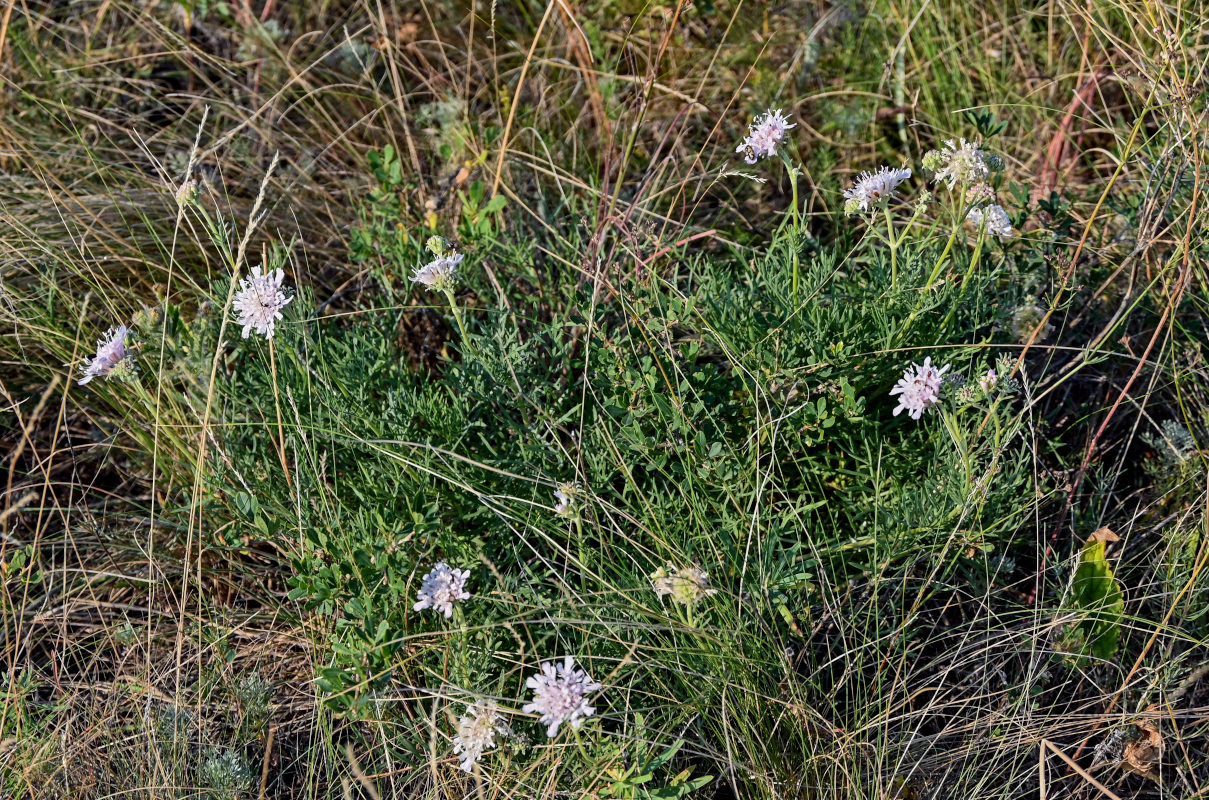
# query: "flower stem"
[[969, 274], [285, 466], [940, 262], [797, 229], [457, 315], [893, 246]]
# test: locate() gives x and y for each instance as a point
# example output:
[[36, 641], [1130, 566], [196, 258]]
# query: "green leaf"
[[1097, 594]]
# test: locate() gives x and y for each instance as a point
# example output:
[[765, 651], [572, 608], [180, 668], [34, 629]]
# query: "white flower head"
[[441, 273], [560, 694], [112, 359], [766, 132], [959, 164], [259, 302], [874, 188], [996, 218], [441, 588], [919, 388], [567, 504], [685, 585], [476, 733]]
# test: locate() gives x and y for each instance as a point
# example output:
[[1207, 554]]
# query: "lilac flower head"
[[919, 388], [560, 695], [441, 588], [112, 354], [476, 733], [441, 273], [259, 302], [765, 133], [873, 188]]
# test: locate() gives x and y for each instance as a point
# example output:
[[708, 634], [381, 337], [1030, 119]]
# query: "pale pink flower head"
[[441, 588], [766, 132], [112, 354], [560, 694], [259, 302], [919, 388]]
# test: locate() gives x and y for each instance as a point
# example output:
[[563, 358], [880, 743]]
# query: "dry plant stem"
[[277, 406], [515, 101], [1168, 313], [194, 516], [1066, 278]]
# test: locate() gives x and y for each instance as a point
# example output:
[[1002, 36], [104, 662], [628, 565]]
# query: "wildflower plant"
[[442, 588], [560, 695], [768, 132], [873, 191], [919, 389], [477, 731], [684, 585], [113, 358], [441, 275], [260, 300]]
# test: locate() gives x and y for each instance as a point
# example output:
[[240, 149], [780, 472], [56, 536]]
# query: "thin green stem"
[[940, 262], [797, 225], [457, 315], [893, 246], [969, 274]]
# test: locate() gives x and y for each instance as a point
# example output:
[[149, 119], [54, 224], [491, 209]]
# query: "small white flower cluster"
[[966, 166], [476, 733], [441, 273], [560, 694], [919, 388], [963, 164], [441, 588], [994, 217], [259, 302], [188, 193], [560, 691], [873, 189], [685, 585], [765, 133], [112, 359]]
